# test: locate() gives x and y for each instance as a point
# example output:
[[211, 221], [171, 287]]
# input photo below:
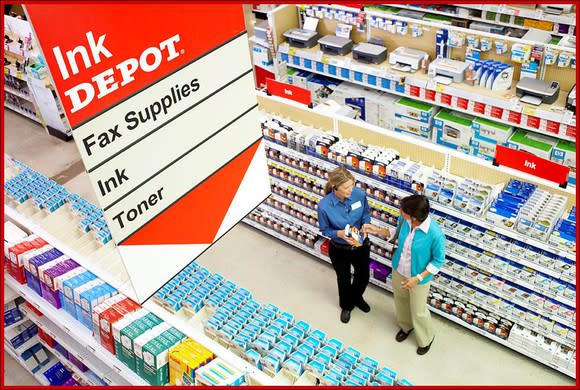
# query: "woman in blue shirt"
[[346, 205], [419, 255]]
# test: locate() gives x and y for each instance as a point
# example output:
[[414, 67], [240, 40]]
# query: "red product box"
[[33, 309], [46, 338], [515, 117], [533, 122], [15, 265], [109, 317], [462, 103], [324, 247]]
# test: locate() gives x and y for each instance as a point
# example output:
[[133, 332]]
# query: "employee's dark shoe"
[[402, 336], [424, 350], [345, 316], [363, 306]]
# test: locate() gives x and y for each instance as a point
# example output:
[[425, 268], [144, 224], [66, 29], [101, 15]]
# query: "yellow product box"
[[184, 359], [539, 24]]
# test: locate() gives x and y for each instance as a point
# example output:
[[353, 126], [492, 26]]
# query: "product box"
[[98, 310], [412, 127], [127, 336], [109, 318], [119, 324], [143, 339], [70, 285], [155, 353], [184, 360], [453, 130], [38, 264], [490, 131], [411, 109], [25, 258], [219, 373], [536, 144], [49, 279], [91, 298], [77, 297], [564, 153], [15, 265]]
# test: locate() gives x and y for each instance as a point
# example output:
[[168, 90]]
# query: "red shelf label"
[[534, 122], [415, 91], [534, 165], [445, 99], [288, 91], [553, 127], [515, 117], [479, 108], [430, 94], [571, 131], [462, 103], [497, 112]]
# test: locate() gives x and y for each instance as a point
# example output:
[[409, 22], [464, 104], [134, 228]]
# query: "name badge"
[[356, 205]]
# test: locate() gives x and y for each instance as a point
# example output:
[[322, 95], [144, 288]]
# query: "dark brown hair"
[[337, 178], [416, 206]]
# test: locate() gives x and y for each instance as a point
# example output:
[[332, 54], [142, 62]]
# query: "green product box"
[[412, 109], [121, 324], [491, 131], [180, 335], [536, 144], [453, 129], [156, 358], [128, 336], [144, 339]]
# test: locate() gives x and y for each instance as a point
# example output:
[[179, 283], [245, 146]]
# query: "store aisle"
[[282, 275]]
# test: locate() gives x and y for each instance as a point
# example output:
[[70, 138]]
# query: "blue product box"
[[313, 342], [254, 357], [303, 325], [331, 351], [69, 287], [320, 335], [337, 344], [290, 339], [306, 349], [90, 299], [316, 366]]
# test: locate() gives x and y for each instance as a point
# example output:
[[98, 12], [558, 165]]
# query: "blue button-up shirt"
[[334, 215]]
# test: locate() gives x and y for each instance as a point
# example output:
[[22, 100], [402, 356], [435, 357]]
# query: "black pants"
[[342, 258]]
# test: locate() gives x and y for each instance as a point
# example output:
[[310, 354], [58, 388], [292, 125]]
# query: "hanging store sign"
[[164, 114]]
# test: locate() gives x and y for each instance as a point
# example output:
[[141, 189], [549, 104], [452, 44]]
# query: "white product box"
[[453, 130]]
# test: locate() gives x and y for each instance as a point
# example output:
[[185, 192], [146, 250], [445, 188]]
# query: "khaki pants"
[[411, 309]]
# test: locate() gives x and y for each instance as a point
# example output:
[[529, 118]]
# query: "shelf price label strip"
[[161, 90]]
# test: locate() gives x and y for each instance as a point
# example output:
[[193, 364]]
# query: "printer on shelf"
[[299, 37], [536, 92], [332, 44], [571, 99], [557, 9], [407, 60], [445, 70], [369, 53]]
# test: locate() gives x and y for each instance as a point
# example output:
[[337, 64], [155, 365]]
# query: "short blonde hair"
[[337, 178]]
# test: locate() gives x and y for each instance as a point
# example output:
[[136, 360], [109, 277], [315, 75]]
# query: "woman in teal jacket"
[[419, 255]]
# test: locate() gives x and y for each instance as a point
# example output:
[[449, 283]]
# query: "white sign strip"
[[126, 123], [128, 170], [142, 205]]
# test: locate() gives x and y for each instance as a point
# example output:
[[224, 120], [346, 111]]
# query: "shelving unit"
[[61, 326], [41, 97], [388, 288]]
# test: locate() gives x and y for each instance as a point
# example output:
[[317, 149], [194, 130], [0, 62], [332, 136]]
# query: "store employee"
[[419, 255], [345, 204]]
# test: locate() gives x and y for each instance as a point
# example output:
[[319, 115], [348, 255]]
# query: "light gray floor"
[[279, 274]]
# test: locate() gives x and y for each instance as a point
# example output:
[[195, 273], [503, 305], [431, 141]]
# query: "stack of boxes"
[[564, 234], [413, 117], [218, 373], [486, 135], [17, 253], [35, 358], [564, 153], [184, 361], [504, 210], [540, 214], [453, 130], [536, 144]]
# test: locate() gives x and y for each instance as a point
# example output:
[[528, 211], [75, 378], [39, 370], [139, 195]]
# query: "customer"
[[345, 204], [419, 255]]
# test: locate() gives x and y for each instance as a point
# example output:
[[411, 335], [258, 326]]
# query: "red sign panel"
[[445, 99], [479, 108], [462, 103], [288, 91], [534, 165], [430, 94], [515, 117], [533, 122], [415, 91], [571, 131], [497, 112], [553, 127]]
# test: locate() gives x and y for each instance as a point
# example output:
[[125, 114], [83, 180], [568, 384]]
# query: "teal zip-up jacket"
[[427, 249]]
